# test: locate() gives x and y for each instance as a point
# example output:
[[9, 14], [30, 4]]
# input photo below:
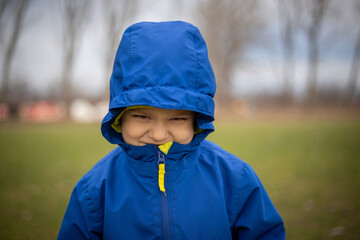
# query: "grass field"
[[311, 170]]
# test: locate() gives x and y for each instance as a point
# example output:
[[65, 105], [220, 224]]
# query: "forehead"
[[161, 111]]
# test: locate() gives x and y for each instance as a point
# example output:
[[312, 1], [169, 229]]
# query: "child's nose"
[[159, 133]]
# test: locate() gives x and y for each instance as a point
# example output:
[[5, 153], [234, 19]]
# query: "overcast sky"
[[38, 56]]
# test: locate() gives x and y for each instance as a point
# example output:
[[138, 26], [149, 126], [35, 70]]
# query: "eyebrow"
[[138, 111], [184, 114]]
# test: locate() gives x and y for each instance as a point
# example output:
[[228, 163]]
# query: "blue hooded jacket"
[[210, 193]]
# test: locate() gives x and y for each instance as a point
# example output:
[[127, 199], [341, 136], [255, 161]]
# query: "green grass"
[[310, 170], [39, 166]]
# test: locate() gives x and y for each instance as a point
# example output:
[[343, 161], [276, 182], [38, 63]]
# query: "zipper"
[[164, 200], [161, 177]]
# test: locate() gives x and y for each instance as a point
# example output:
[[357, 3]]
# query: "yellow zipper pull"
[[164, 149], [161, 177]]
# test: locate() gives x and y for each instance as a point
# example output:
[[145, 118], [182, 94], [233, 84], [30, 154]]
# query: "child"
[[165, 181]]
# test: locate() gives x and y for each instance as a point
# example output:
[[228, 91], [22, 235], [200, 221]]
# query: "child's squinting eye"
[[139, 116], [180, 119]]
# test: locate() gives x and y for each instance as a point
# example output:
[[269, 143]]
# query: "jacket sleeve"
[[82, 216], [256, 217]]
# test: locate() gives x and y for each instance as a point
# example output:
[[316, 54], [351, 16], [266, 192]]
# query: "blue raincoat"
[[210, 193]]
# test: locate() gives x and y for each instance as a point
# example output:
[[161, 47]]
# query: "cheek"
[[183, 134], [132, 133]]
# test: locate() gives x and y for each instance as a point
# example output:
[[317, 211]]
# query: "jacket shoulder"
[[214, 152], [89, 189], [232, 169], [85, 211], [244, 193], [102, 169]]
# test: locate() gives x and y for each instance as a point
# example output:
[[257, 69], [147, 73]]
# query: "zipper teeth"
[[164, 200], [165, 215]]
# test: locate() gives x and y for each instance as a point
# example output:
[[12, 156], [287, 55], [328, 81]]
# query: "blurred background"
[[57, 56], [287, 102]]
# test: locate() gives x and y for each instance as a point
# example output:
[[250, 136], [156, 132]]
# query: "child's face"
[[157, 126]]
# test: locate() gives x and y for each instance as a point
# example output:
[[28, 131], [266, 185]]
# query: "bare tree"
[[354, 71], [16, 24], [116, 14], [3, 6], [355, 63], [229, 26], [74, 15], [287, 11], [311, 20]]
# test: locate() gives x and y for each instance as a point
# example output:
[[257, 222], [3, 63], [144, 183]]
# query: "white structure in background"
[[85, 112]]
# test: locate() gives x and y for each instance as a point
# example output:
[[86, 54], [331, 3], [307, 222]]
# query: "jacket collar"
[[179, 157]]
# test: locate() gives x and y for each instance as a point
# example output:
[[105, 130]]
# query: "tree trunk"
[[313, 60], [10, 50], [67, 73], [354, 72]]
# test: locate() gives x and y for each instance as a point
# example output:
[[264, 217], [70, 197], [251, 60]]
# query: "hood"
[[163, 65]]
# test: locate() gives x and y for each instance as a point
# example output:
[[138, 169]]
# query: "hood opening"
[[162, 65], [111, 129]]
